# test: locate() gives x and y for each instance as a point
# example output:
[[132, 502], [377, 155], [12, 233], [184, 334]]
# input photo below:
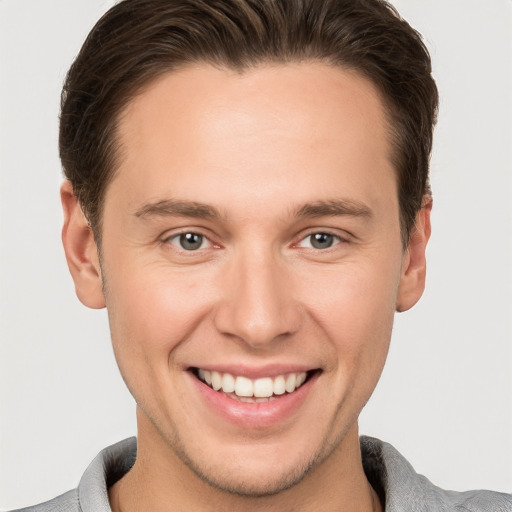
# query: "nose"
[[256, 303]]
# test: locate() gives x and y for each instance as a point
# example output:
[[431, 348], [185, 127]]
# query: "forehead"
[[256, 129]]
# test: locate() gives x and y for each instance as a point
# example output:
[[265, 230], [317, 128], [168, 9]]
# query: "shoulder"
[[67, 502], [110, 465], [480, 501], [404, 490]]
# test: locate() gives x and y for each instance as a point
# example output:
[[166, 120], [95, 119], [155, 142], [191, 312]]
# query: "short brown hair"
[[138, 40]]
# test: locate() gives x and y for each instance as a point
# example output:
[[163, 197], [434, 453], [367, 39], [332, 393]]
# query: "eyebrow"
[[334, 208], [194, 209], [177, 208]]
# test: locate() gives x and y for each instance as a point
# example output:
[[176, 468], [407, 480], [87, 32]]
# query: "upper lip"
[[255, 372]]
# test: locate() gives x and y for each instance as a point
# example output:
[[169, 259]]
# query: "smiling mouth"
[[260, 390]]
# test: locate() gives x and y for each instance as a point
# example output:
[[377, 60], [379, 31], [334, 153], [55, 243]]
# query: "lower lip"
[[257, 415]]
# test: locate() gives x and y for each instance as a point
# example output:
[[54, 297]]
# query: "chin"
[[257, 472], [252, 482]]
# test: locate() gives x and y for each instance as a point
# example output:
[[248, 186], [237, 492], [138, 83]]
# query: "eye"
[[319, 241], [189, 241]]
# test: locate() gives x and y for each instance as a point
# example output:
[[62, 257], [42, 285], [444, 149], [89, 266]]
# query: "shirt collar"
[[109, 466]]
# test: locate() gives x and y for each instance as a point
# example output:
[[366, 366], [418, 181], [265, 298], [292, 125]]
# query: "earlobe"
[[412, 280], [81, 251]]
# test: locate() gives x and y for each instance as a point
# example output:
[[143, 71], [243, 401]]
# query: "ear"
[[412, 279], [81, 251]]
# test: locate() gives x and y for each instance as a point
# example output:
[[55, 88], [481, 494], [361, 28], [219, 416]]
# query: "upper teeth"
[[242, 386]]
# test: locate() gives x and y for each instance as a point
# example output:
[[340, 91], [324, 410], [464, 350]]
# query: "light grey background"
[[445, 399]]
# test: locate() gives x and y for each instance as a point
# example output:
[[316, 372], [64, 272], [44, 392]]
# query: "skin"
[[263, 149]]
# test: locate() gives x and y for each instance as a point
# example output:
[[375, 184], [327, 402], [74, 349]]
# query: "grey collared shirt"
[[399, 486]]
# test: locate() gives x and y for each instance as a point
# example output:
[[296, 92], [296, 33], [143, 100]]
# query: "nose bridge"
[[257, 303]]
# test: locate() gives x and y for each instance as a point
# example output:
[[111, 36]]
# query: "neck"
[[161, 481]]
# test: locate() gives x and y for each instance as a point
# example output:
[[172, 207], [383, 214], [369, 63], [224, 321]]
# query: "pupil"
[[321, 240], [191, 241]]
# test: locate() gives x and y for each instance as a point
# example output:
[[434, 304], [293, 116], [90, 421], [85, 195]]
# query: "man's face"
[[251, 236]]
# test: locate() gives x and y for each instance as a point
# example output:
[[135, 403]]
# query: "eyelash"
[[337, 239], [177, 236]]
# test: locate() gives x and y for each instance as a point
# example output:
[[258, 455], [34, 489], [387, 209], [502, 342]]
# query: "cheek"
[[355, 308], [152, 310]]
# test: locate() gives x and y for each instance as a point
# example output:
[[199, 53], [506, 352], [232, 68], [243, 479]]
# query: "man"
[[248, 196]]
